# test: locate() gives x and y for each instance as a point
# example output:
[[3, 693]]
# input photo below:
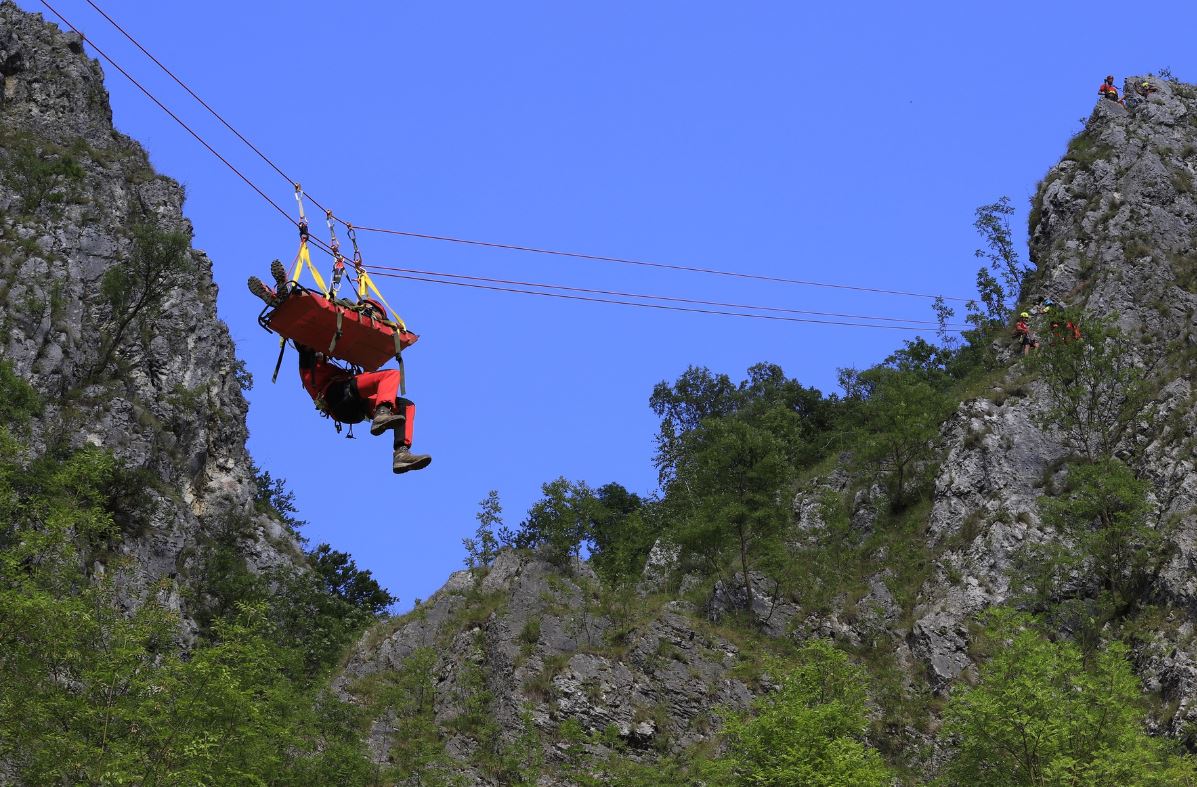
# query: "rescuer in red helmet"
[[1107, 89]]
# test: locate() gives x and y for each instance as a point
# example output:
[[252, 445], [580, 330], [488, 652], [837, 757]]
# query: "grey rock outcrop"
[[530, 651], [161, 388], [1113, 233], [547, 649]]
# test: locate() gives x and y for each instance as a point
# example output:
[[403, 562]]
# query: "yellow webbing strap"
[[364, 281], [304, 257]]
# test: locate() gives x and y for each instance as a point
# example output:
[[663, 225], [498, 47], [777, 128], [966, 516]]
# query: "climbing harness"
[[365, 333]]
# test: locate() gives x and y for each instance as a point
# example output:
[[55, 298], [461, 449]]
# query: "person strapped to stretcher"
[[347, 397]]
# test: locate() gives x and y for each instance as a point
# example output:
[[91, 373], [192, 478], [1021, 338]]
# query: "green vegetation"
[[903, 411], [809, 731], [725, 505], [572, 516], [42, 173], [1105, 533], [482, 549], [1096, 386], [410, 693], [315, 611], [92, 692], [136, 291], [1042, 714], [1085, 149], [997, 293]]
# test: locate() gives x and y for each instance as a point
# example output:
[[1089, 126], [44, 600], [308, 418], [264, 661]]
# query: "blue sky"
[[843, 142]]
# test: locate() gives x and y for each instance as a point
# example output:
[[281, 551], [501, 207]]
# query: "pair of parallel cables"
[[666, 302]]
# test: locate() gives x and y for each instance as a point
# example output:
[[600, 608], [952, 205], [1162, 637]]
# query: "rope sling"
[[365, 333]]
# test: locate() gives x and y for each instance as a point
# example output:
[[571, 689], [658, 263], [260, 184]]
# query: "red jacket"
[[1105, 88], [316, 373]]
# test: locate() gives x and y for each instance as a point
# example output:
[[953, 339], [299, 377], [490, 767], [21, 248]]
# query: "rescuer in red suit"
[[352, 398]]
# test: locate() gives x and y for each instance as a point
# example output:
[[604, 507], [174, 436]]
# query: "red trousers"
[[379, 388]]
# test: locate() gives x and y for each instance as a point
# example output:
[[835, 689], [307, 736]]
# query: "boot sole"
[[279, 273], [385, 425], [260, 290], [420, 465]]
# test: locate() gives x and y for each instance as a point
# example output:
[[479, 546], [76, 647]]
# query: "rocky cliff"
[[534, 668], [1112, 233], [111, 315], [1112, 236]]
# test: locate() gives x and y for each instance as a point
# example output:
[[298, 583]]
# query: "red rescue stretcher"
[[339, 329]]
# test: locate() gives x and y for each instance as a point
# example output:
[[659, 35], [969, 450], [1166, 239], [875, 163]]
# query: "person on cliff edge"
[[1107, 89], [1026, 337], [352, 398]]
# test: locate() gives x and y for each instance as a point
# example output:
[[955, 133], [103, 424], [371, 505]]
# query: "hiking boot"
[[386, 418], [405, 460], [280, 275], [259, 288]]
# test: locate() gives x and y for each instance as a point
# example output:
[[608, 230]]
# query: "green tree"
[[948, 339], [137, 288], [1095, 385], [810, 731], [997, 292], [271, 496], [682, 407], [1105, 533], [482, 549], [341, 578], [727, 497], [898, 424], [92, 692], [1041, 715], [560, 522], [18, 400], [797, 415], [573, 517], [620, 533]]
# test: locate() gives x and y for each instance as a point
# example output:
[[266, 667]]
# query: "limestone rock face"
[[535, 646], [547, 649], [1113, 233], [160, 389]]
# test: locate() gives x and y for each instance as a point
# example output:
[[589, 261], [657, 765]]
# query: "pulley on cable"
[[365, 332]]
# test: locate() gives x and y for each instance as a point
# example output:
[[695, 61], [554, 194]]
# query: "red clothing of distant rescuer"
[[351, 399], [1107, 89]]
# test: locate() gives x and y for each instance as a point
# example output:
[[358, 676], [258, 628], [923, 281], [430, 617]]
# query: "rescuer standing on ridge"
[[1107, 89]]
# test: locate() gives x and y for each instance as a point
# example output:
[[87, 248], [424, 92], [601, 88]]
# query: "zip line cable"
[[190, 92], [672, 299], [467, 241], [414, 274], [328, 250], [647, 305], [661, 265]]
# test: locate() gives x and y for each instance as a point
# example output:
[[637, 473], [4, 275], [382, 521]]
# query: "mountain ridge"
[[888, 520]]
